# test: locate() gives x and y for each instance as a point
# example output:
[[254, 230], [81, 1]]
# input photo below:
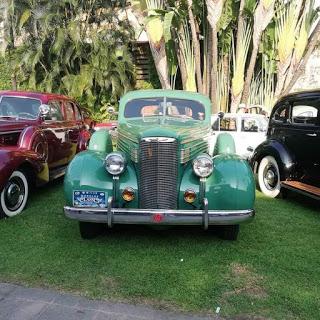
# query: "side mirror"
[[221, 115], [44, 110]]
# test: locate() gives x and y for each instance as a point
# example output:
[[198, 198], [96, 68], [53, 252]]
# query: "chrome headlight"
[[203, 166], [115, 163]]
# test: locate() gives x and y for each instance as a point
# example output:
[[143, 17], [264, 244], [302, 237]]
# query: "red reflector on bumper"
[[157, 217]]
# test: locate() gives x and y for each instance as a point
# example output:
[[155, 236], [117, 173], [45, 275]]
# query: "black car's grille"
[[158, 173]]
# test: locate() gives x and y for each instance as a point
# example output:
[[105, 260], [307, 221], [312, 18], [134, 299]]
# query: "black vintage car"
[[290, 157]]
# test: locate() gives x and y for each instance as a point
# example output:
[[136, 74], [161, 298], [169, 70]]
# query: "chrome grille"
[[158, 173]]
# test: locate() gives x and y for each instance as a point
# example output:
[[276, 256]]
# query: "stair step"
[[306, 189]]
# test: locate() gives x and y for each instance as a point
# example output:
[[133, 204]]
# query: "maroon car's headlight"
[[115, 163], [203, 166]]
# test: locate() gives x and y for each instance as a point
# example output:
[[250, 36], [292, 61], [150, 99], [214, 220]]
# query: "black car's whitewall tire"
[[269, 177], [14, 196]]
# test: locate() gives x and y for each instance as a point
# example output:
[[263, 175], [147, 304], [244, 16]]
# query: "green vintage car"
[[160, 173]]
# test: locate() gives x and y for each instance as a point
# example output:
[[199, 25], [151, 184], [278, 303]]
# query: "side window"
[[55, 113], [77, 113], [304, 113], [228, 124], [68, 107], [249, 125], [282, 114]]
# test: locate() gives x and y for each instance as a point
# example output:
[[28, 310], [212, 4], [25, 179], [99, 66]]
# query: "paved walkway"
[[20, 303]]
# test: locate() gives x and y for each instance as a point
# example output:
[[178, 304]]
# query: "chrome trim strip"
[[110, 215], [158, 139], [171, 217], [205, 214]]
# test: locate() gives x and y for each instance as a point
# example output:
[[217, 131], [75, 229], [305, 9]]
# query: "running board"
[[303, 188], [57, 173]]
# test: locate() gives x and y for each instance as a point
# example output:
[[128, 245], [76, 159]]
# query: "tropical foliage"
[[74, 47], [235, 51], [243, 51]]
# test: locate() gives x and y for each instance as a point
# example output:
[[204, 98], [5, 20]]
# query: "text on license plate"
[[92, 199]]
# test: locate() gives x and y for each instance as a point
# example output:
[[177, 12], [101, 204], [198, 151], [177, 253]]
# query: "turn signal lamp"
[[128, 194], [190, 196]]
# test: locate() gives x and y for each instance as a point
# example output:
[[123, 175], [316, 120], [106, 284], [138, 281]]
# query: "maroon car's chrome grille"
[[158, 162]]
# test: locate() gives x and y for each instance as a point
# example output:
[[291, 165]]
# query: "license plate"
[[90, 199]]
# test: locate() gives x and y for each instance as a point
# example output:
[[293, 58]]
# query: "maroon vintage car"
[[39, 135]]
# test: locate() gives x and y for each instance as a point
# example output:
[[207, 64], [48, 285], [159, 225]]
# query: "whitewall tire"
[[14, 195], [269, 177]]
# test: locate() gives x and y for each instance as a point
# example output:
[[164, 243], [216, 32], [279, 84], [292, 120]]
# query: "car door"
[[280, 122], [53, 126], [305, 135], [72, 128]]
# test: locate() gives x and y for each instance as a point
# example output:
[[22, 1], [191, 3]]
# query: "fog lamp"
[[190, 196], [128, 194]]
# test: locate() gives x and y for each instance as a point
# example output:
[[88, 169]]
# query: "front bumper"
[[203, 217]]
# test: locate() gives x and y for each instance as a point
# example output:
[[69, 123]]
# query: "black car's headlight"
[[203, 166], [115, 163]]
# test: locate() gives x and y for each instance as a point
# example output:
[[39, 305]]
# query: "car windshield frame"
[[23, 111], [165, 109]]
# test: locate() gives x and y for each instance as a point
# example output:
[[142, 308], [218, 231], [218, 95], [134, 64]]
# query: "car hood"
[[191, 137], [14, 125]]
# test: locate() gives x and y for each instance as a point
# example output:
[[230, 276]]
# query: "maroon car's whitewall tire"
[[14, 196], [269, 177]]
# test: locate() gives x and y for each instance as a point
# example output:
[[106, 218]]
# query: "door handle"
[[311, 134]]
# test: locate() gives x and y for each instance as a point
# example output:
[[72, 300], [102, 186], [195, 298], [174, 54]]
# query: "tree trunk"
[[209, 63], [250, 72], [14, 82], [214, 70], [160, 60], [214, 13], [196, 47], [240, 23], [313, 41], [182, 65], [262, 18], [226, 79]]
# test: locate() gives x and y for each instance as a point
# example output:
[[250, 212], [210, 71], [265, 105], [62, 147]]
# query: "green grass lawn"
[[272, 271]]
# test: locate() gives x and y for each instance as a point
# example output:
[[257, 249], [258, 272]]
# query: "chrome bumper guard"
[[203, 217]]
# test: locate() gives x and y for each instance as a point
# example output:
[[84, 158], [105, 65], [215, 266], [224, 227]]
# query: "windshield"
[[165, 107], [19, 108]]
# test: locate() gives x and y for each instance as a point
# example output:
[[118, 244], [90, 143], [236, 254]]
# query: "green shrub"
[[5, 75]]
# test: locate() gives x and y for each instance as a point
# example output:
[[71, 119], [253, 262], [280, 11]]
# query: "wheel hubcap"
[[270, 177], [14, 194]]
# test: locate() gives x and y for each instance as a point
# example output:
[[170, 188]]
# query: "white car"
[[248, 130]]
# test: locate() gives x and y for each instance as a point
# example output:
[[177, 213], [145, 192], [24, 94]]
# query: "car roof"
[[36, 95], [301, 94]]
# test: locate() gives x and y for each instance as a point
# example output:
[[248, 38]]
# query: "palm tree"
[[262, 17], [287, 20], [239, 63], [214, 8], [196, 46]]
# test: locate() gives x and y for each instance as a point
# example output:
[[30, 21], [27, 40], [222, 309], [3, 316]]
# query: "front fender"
[[87, 172], [276, 149], [230, 187], [11, 160]]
